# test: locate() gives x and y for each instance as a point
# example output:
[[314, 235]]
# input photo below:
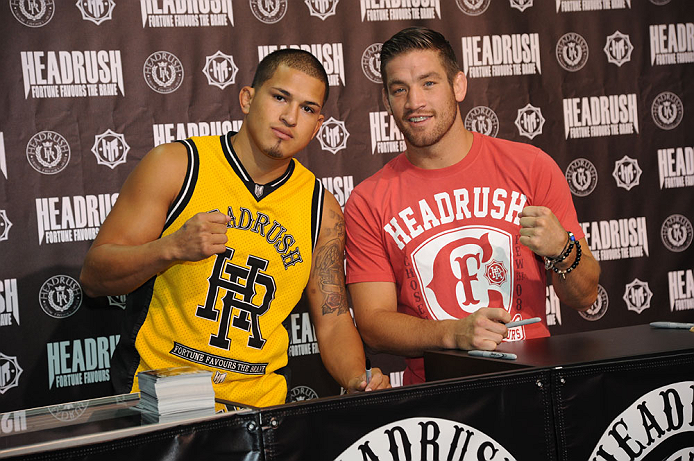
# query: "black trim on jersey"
[[316, 211], [241, 172], [188, 186]]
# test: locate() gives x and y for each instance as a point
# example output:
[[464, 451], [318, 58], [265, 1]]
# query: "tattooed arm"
[[339, 342]]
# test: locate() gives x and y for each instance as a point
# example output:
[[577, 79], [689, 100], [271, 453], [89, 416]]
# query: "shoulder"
[[519, 154]]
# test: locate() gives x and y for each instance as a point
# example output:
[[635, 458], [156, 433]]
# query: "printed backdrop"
[[89, 87]]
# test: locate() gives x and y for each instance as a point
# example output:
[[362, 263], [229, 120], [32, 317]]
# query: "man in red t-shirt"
[[452, 239]]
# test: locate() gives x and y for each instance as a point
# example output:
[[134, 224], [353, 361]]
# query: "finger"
[[528, 222], [530, 211], [217, 217]]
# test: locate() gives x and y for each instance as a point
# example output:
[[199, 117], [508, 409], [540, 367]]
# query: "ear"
[[386, 102], [459, 86], [318, 125], [246, 98]]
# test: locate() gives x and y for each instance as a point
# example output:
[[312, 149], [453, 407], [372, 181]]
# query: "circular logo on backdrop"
[[163, 72], [371, 62], [333, 135], [599, 307], [10, 372], [48, 152], [60, 296], [69, 411], [572, 52], [473, 7], [482, 120], [667, 110], [660, 2], [676, 233], [300, 393], [36, 13], [582, 177], [268, 11]]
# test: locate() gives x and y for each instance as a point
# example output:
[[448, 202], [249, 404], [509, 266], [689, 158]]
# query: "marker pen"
[[368, 371], [678, 325], [523, 322], [493, 354]]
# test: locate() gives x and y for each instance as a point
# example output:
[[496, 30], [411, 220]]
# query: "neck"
[[449, 150], [259, 166]]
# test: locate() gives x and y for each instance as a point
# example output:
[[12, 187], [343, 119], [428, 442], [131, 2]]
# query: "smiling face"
[[283, 114], [423, 102]]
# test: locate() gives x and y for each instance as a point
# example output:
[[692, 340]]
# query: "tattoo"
[[329, 270]]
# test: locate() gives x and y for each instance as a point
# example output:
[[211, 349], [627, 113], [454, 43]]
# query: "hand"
[[378, 381], [483, 330], [542, 232], [201, 236]]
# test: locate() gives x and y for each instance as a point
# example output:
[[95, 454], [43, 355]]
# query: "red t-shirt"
[[448, 238]]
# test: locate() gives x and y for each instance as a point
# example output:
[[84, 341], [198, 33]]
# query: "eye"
[[395, 91], [309, 109], [279, 97], [429, 83]]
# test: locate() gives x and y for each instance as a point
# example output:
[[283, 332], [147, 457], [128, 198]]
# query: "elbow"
[[89, 287]]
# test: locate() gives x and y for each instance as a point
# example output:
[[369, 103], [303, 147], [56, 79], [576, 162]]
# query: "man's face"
[[283, 115], [420, 98]]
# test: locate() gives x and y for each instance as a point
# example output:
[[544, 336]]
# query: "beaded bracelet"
[[550, 262], [573, 266]]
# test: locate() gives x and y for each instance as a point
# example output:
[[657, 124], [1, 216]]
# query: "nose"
[[415, 98], [290, 114]]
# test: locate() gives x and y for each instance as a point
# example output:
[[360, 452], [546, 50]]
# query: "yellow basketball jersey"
[[225, 313]]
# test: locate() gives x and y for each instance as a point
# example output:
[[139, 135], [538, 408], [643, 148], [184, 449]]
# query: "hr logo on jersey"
[[626, 172], [521, 5], [247, 281], [386, 137], [618, 48], [681, 289], [96, 11], [371, 62], [9, 303], [9, 372], [667, 110], [190, 13], [333, 135], [5, 225], [672, 43], [677, 233], [676, 167], [72, 74], [656, 425], [501, 55], [483, 120], [33, 13], [617, 238], [110, 149], [529, 121], [321, 8], [220, 70], [163, 72], [329, 54], [638, 296], [464, 269], [377, 10], [570, 6], [269, 11]]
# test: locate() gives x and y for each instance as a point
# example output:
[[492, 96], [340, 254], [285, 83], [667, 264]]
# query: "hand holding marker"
[[505, 355]]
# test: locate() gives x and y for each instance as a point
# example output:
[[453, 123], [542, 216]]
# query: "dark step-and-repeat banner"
[[89, 87]]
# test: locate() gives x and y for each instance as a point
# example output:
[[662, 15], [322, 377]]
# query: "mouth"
[[418, 118], [282, 133]]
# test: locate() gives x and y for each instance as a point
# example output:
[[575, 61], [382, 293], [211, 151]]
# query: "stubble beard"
[[444, 122]]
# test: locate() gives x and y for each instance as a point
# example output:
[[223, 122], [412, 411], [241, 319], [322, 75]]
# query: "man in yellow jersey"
[[215, 239]]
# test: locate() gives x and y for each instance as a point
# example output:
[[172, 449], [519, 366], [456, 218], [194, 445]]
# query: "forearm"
[[113, 269], [579, 288], [342, 351]]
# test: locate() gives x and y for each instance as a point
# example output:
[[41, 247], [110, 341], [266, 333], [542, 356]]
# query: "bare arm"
[[385, 329], [542, 232], [341, 347], [128, 251]]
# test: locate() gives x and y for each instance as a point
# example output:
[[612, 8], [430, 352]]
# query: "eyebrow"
[[289, 95], [418, 78]]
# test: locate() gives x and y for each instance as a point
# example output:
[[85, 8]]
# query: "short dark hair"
[[294, 59], [419, 38]]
